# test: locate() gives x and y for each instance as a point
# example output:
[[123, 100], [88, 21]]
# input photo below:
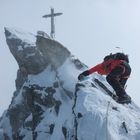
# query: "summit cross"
[[52, 15]]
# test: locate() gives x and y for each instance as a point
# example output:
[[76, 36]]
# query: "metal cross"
[[52, 15]]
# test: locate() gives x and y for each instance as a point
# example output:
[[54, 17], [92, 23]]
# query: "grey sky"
[[90, 29]]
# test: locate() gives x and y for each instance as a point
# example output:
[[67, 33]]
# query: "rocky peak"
[[33, 56], [51, 104], [34, 53]]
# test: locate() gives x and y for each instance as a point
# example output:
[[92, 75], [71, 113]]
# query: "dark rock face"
[[28, 57], [53, 51]]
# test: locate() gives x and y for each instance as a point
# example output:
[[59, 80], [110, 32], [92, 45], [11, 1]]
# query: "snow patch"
[[68, 74], [20, 34], [45, 78]]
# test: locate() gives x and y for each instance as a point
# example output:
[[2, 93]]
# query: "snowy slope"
[[98, 123], [51, 104]]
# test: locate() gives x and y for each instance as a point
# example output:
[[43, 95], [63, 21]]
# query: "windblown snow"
[[54, 105]]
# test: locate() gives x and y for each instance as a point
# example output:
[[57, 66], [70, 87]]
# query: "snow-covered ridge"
[[101, 115], [51, 104]]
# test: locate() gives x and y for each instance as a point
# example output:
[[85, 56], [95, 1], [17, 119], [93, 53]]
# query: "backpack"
[[110, 56], [117, 56]]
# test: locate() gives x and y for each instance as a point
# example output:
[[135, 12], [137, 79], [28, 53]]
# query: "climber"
[[117, 70]]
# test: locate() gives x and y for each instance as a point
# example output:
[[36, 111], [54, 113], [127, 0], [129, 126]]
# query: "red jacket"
[[106, 67]]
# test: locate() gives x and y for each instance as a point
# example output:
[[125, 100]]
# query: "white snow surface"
[[45, 78], [96, 124]]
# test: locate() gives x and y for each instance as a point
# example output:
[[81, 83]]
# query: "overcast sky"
[[90, 29]]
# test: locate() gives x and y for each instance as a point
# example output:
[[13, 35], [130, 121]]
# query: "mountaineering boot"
[[125, 99]]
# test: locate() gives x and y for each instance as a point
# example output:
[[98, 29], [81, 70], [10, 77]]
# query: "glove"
[[81, 77]]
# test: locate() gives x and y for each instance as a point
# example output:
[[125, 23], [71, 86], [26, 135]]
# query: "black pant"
[[117, 79]]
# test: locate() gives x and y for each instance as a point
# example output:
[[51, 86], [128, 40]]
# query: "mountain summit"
[[51, 104]]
